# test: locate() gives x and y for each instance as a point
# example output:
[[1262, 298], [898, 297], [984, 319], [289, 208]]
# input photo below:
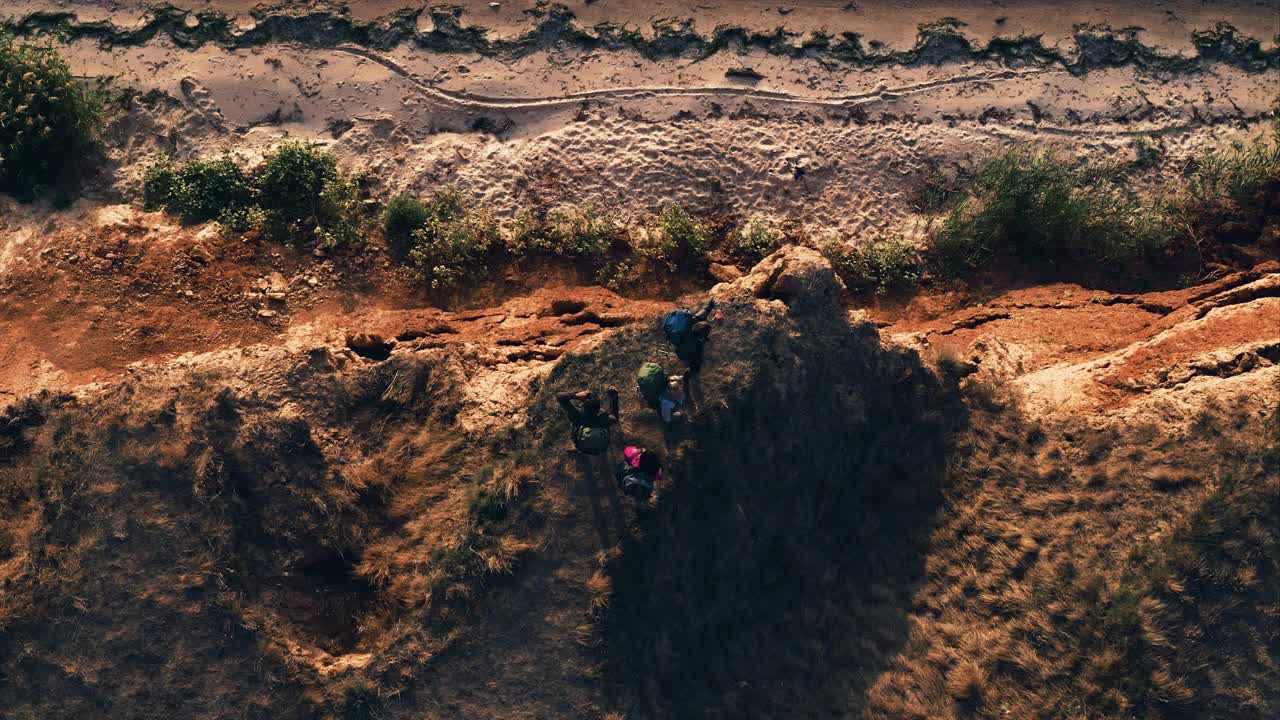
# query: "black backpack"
[[634, 484]]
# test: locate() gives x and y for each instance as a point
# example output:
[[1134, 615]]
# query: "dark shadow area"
[[327, 598], [774, 577]]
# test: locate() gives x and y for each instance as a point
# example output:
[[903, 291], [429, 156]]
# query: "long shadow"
[[597, 481], [774, 578]]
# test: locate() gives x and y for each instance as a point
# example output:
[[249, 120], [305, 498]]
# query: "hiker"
[[688, 332], [590, 423], [665, 394], [638, 472]]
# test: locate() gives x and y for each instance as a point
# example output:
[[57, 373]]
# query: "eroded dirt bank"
[[313, 531]]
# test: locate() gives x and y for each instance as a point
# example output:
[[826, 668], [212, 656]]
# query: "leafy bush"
[[339, 212], [672, 236], [454, 242], [48, 121], [583, 231], [402, 216], [1039, 206], [197, 191], [754, 240], [578, 232], [892, 264], [301, 191]]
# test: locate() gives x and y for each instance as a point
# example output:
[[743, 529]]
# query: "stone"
[[724, 273]]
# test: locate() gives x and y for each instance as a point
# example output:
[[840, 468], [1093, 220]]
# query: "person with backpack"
[[661, 392], [590, 422], [688, 332], [638, 472]]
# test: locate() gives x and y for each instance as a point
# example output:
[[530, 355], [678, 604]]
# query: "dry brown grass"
[[1054, 600]]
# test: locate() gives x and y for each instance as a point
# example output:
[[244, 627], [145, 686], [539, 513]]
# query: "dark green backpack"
[[652, 381], [591, 440]]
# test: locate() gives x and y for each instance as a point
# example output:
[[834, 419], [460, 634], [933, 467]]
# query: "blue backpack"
[[676, 324]]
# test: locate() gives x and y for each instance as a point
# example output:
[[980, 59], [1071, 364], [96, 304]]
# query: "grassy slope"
[[206, 553]]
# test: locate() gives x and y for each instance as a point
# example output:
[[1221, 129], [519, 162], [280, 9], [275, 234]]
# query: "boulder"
[[798, 276], [724, 273]]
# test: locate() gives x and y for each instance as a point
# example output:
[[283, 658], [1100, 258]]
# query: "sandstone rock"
[[724, 273], [799, 276], [201, 254], [274, 283]]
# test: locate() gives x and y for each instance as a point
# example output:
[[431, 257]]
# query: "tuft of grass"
[[1236, 173], [672, 237], [1034, 204], [49, 122], [755, 239], [197, 191], [1145, 154], [880, 266], [584, 231]]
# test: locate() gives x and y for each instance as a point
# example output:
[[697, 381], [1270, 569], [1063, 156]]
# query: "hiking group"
[[641, 468]]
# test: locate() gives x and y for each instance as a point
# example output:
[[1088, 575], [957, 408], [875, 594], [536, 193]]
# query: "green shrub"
[[1236, 173], [1041, 207], [402, 216], [583, 231], [234, 221], [48, 121], [454, 243], [302, 192], [881, 266], [671, 237], [197, 191], [340, 223], [578, 232], [754, 240], [299, 193]]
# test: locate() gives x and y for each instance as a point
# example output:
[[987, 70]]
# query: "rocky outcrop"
[[799, 276]]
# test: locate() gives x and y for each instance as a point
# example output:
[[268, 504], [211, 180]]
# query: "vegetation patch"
[[876, 267], [1033, 204], [446, 238], [755, 239], [672, 237], [298, 194], [584, 231], [49, 121], [197, 191]]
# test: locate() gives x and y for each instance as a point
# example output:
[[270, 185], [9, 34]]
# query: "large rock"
[[798, 276]]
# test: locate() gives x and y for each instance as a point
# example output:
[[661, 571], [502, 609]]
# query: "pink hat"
[[632, 454]]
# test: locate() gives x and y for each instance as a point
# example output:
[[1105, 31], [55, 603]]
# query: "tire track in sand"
[[472, 100]]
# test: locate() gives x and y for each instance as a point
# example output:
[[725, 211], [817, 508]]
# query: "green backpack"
[[652, 381], [591, 440]]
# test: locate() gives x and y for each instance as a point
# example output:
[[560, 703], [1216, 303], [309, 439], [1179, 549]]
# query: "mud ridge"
[[555, 26]]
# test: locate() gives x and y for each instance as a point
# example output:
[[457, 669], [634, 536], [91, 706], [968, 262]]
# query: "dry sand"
[[633, 104]]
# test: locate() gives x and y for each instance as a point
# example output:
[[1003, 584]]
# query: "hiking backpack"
[[591, 440], [676, 324], [651, 379], [633, 482]]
